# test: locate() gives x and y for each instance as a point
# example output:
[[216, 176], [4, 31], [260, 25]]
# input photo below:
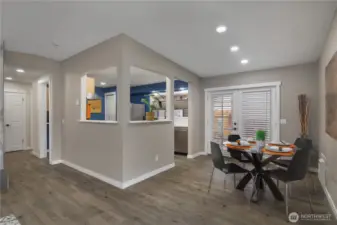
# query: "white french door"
[[241, 111]]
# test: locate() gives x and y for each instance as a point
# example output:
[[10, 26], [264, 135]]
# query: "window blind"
[[255, 113], [222, 118]]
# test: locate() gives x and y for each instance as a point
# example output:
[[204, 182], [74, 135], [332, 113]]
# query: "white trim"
[[37, 155], [192, 156], [331, 202], [99, 176], [54, 162], [42, 116], [322, 159], [98, 121], [150, 121], [113, 182], [83, 101], [147, 175], [244, 86], [28, 148], [113, 93], [24, 144]]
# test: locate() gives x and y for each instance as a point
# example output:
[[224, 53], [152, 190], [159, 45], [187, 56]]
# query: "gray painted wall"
[[97, 147], [124, 151], [94, 146], [327, 144], [300, 79], [156, 139]]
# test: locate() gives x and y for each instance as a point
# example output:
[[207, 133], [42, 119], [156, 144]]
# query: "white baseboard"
[[313, 169], [54, 162], [99, 176], [147, 175], [28, 148], [192, 156], [116, 183], [37, 155], [331, 202]]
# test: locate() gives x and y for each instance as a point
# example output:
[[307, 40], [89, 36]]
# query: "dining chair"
[[304, 144], [296, 171], [239, 156], [219, 163]]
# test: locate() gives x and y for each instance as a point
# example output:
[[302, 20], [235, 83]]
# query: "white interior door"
[[110, 106], [15, 114]]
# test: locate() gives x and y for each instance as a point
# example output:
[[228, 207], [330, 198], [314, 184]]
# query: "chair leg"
[[289, 190], [210, 181], [286, 200], [310, 202], [313, 183], [254, 186]]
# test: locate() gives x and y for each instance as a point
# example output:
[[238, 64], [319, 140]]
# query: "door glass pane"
[[255, 113], [222, 117]]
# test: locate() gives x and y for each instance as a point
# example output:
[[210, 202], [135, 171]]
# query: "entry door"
[[110, 106], [15, 114]]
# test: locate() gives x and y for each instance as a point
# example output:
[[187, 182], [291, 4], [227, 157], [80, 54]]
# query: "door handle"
[[7, 125]]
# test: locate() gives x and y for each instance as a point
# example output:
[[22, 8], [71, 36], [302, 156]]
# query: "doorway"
[[44, 120], [110, 106], [242, 110], [15, 121]]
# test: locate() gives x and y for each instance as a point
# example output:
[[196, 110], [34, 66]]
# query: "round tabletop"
[[252, 149]]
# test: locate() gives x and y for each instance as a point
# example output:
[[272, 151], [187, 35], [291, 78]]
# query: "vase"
[[150, 116]]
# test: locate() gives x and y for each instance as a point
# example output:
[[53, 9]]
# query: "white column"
[[2, 147], [170, 98]]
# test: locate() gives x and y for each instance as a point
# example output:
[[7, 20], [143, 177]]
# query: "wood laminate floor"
[[58, 195]]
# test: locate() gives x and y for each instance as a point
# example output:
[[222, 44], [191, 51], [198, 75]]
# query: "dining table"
[[260, 157]]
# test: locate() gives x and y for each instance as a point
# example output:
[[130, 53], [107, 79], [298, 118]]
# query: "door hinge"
[[23, 99]]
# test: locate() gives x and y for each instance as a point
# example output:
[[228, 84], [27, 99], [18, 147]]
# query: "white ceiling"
[[269, 34], [138, 77], [27, 77]]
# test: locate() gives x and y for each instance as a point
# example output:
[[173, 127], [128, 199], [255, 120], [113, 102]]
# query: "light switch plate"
[[77, 102], [283, 121]]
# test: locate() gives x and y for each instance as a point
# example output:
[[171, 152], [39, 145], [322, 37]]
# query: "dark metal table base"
[[261, 177]]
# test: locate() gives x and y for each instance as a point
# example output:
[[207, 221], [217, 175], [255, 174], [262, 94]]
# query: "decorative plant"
[[156, 103], [303, 103]]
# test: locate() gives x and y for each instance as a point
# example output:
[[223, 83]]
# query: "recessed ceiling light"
[[221, 29], [235, 48], [244, 61], [103, 83], [9, 78], [20, 70]]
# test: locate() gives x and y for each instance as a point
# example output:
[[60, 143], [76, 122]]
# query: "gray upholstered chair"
[[219, 163]]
